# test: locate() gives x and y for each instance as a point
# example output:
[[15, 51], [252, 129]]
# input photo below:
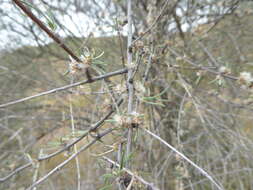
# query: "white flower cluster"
[[75, 66], [86, 58], [245, 79], [131, 65], [128, 120], [122, 120], [140, 88], [120, 88]]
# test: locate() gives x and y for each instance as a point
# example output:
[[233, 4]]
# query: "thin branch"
[[92, 128], [120, 44], [149, 185], [61, 165], [16, 171], [130, 85], [122, 71], [129, 187], [202, 67], [49, 33], [148, 67], [11, 138], [36, 172], [156, 20], [75, 147], [45, 29], [201, 170]]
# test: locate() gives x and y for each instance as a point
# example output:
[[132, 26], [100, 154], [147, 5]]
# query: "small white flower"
[[140, 87], [82, 66], [128, 120], [224, 70], [131, 65], [118, 119], [86, 52], [120, 88], [136, 114], [246, 75], [139, 45], [245, 78], [75, 66]]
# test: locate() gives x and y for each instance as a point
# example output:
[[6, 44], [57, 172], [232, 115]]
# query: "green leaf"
[[50, 20], [107, 187], [51, 25], [49, 16], [110, 120], [81, 132], [107, 177], [129, 157], [122, 163], [154, 103], [54, 143], [198, 80], [156, 97]]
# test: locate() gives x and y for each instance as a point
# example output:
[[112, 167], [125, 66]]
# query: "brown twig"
[[49, 32]]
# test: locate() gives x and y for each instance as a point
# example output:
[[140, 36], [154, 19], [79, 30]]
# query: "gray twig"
[[119, 72], [61, 165], [185, 158]]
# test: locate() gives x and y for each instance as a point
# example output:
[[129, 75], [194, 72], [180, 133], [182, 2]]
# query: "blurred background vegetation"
[[206, 116]]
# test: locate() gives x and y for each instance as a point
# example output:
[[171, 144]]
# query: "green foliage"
[[48, 15], [152, 99], [108, 178], [107, 187]]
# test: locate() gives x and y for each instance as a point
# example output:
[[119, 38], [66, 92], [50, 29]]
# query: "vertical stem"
[[129, 75], [36, 173], [119, 158], [75, 147]]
